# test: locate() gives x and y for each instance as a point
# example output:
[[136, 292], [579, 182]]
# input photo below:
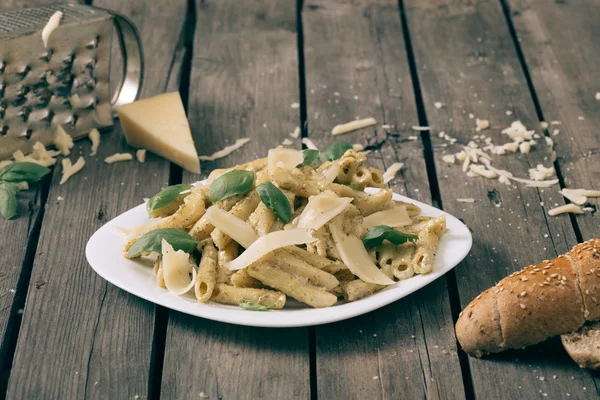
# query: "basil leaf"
[[151, 241], [353, 187], [165, 197], [8, 200], [310, 156], [231, 183], [252, 306], [335, 151], [23, 171], [377, 234], [275, 200]]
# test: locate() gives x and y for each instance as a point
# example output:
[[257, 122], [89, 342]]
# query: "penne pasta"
[[206, 279], [227, 294]]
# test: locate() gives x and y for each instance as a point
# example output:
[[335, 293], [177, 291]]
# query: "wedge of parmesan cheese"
[[94, 136], [63, 141], [70, 170], [567, 208], [118, 157], [51, 25], [141, 155], [391, 172], [159, 125], [226, 150], [353, 126]]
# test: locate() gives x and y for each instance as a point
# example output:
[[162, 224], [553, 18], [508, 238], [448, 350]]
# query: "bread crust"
[[540, 301]]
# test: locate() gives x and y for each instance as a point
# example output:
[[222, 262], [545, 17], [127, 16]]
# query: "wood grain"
[[80, 336], [244, 78], [466, 60], [356, 66]]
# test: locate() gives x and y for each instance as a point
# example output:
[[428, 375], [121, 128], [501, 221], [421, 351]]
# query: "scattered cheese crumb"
[[420, 128], [296, 133], [60, 198], [94, 136], [597, 95], [63, 141], [549, 141], [353, 126], [585, 192], [482, 124], [51, 25], [508, 112], [555, 123], [467, 200], [573, 196], [413, 138], [70, 170], [287, 142], [391, 172], [471, 115], [118, 157], [544, 125], [358, 147], [481, 170], [524, 147], [541, 173], [581, 118], [141, 155], [226, 151], [567, 208], [386, 126], [438, 105], [504, 179], [309, 143], [449, 158], [295, 105]]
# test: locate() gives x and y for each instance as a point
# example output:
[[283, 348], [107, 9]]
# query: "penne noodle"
[[357, 289], [226, 294], [374, 202], [300, 268], [206, 279], [241, 278], [202, 229]]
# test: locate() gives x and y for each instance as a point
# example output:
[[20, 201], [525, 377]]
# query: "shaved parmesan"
[[118, 157], [94, 136], [467, 200], [51, 25], [320, 210], [238, 229], [504, 179], [226, 151], [482, 124], [438, 104], [584, 192], [449, 158], [140, 155], [420, 128], [391, 172], [63, 141], [285, 158], [70, 170], [287, 142], [540, 173], [355, 256], [309, 143], [332, 172], [296, 133], [267, 243], [176, 267], [483, 171], [394, 217], [518, 130], [353, 126], [573, 197], [524, 147], [567, 208]]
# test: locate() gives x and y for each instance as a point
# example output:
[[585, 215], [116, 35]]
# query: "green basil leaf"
[[275, 200], [231, 183], [23, 171], [252, 306], [165, 197], [377, 234], [335, 151], [353, 187], [8, 200], [151, 241], [310, 156]]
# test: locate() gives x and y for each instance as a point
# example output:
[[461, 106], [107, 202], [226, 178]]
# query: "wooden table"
[[239, 66]]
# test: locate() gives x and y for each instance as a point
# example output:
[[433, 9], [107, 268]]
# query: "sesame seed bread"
[[584, 345], [552, 298]]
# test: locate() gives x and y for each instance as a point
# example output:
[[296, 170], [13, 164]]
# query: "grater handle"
[[133, 62]]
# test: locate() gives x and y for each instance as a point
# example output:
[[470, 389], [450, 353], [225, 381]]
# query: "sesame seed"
[[523, 293], [523, 306], [554, 275]]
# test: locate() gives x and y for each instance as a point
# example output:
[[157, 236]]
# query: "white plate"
[[104, 253]]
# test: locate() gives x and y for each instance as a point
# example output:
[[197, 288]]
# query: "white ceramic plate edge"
[[104, 249]]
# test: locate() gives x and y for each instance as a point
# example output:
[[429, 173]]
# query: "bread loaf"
[[531, 305], [584, 345]]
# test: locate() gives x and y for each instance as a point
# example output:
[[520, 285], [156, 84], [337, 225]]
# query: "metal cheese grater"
[[66, 83]]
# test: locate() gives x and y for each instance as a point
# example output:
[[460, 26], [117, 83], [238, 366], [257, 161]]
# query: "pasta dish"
[[296, 223]]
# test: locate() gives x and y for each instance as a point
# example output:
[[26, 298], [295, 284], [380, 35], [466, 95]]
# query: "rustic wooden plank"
[[466, 60], [356, 66], [76, 324], [244, 78]]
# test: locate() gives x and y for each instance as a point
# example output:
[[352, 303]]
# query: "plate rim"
[[318, 316]]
